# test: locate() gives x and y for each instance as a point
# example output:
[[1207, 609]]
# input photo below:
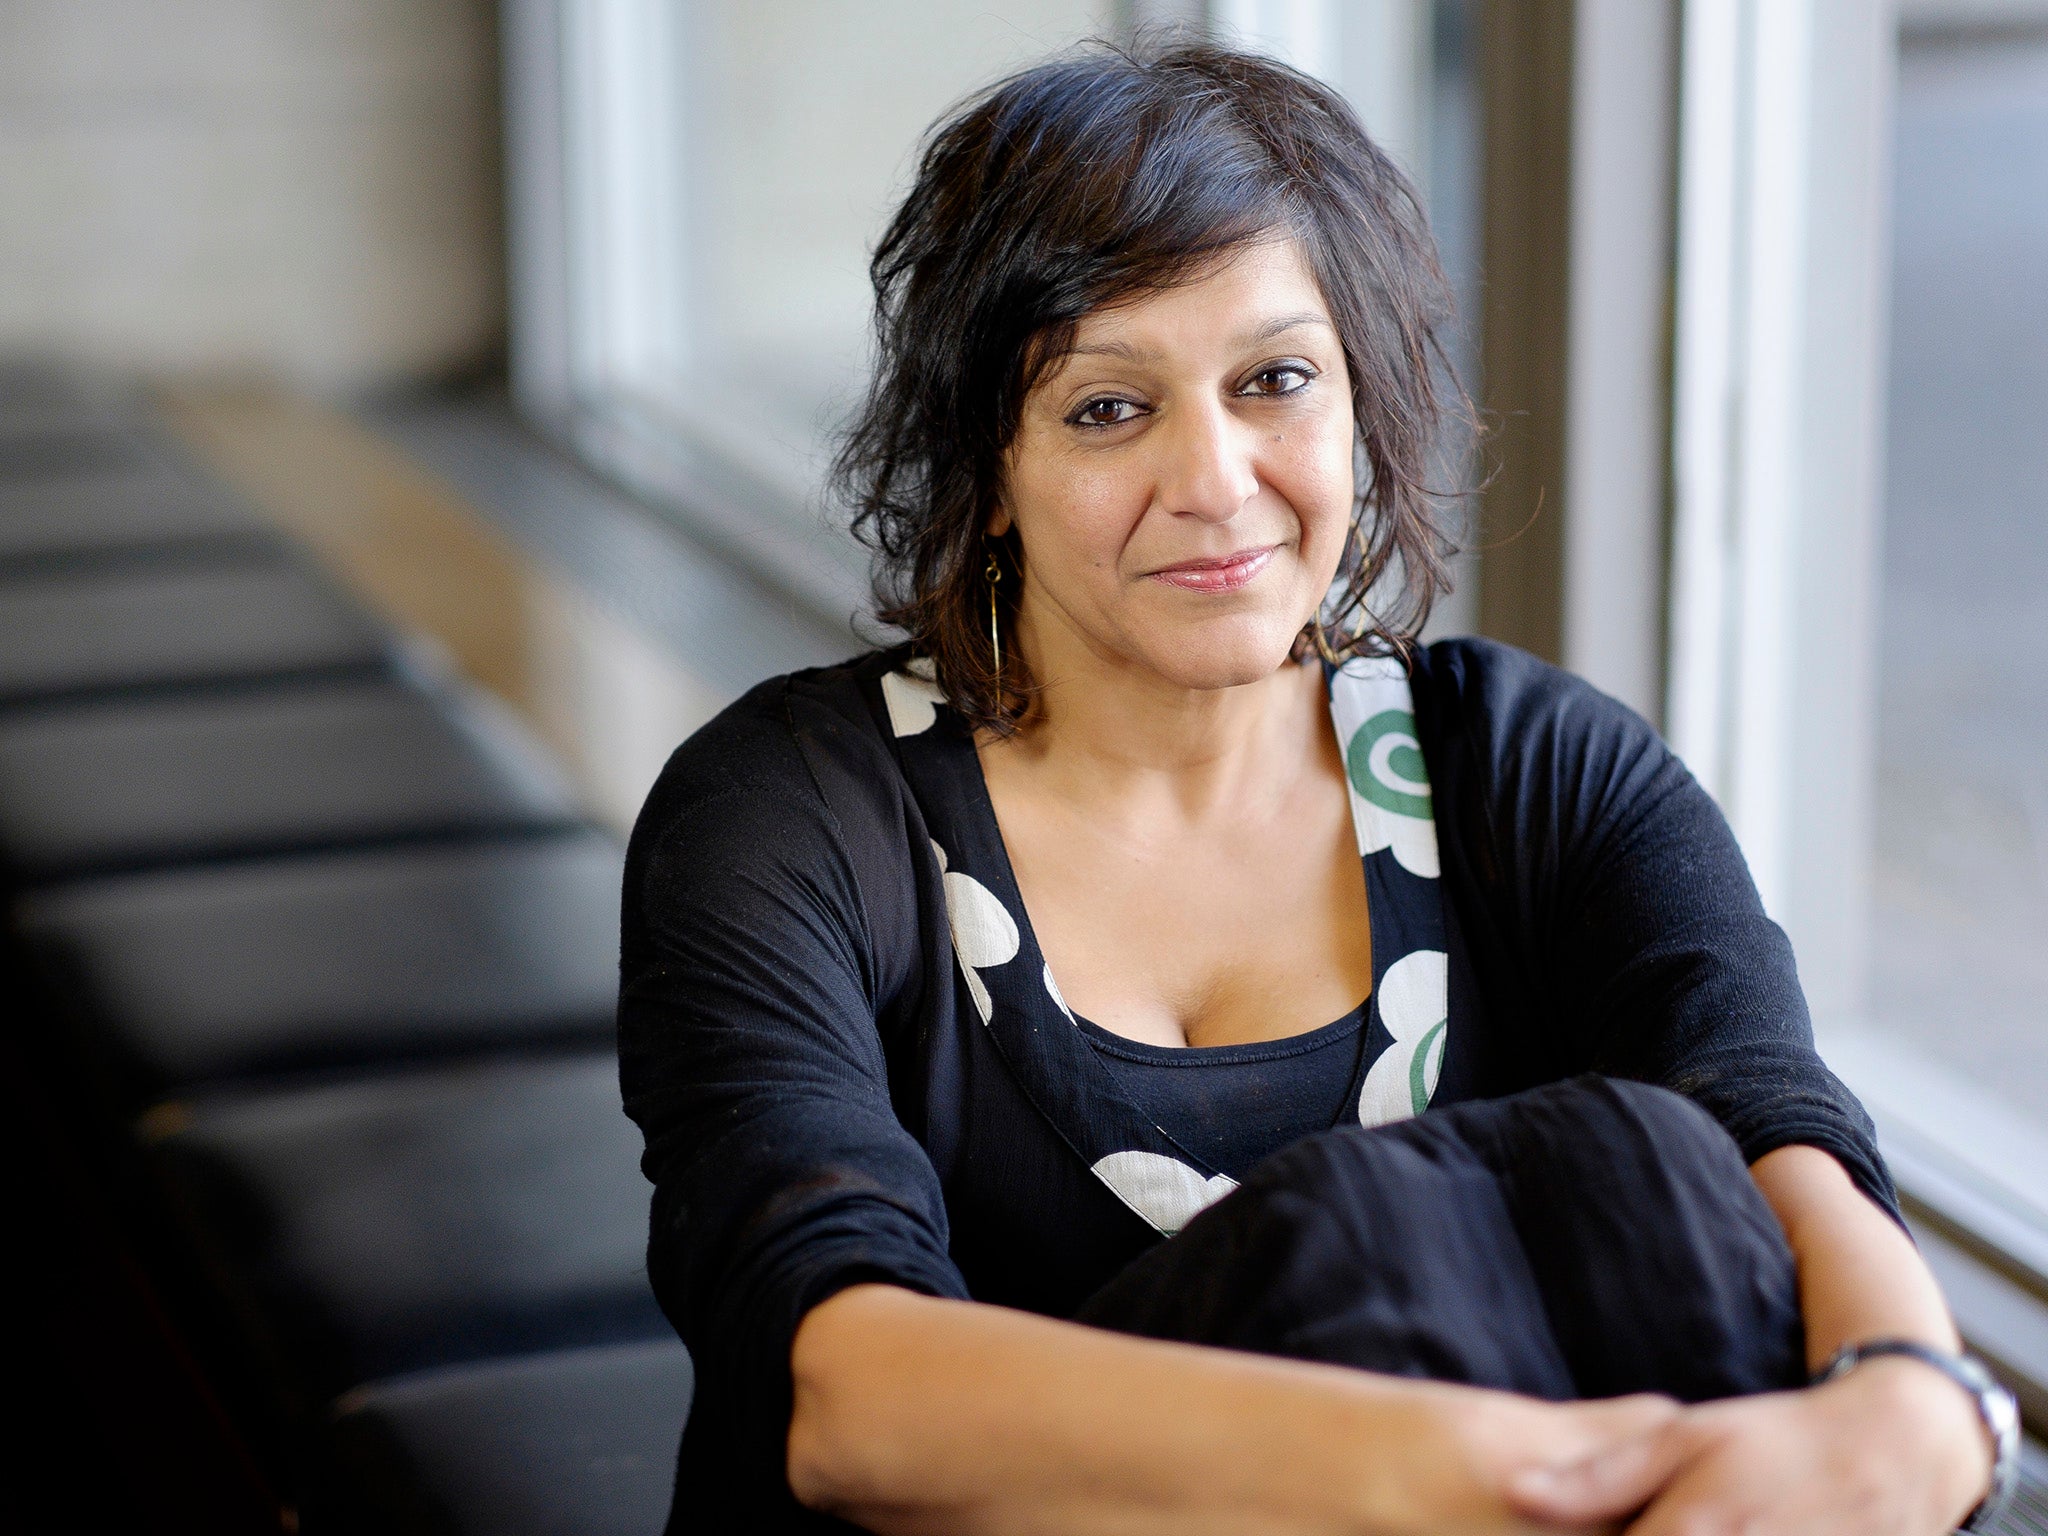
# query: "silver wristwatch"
[[1995, 1406]]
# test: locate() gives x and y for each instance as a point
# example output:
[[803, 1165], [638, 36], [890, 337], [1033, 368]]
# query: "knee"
[[1620, 1121], [1665, 1109]]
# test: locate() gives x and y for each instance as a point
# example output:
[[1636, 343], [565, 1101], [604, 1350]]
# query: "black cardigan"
[[817, 1113]]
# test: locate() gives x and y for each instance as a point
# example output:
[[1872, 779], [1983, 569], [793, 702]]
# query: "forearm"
[[914, 1415], [1859, 1276], [917, 1415]]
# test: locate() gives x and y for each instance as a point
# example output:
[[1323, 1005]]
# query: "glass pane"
[[730, 165], [1959, 947], [799, 122], [804, 127]]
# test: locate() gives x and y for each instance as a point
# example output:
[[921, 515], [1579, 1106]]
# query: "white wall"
[[304, 189]]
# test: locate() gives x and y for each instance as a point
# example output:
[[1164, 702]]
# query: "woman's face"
[[1181, 483]]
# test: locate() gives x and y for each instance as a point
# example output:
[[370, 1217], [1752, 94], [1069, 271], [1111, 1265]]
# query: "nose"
[[1208, 470]]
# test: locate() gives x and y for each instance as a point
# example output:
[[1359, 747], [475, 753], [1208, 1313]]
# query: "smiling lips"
[[1225, 574]]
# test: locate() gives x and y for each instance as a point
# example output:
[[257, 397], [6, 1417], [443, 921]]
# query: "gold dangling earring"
[[994, 574], [1321, 637]]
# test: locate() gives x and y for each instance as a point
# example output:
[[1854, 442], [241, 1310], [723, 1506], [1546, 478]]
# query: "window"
[[1957, 979], [1857, 623], [697, 189]]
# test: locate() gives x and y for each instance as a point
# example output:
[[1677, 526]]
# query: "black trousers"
[[1586, 1239]]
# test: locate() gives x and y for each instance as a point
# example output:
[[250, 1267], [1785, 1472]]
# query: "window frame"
[[1776, 510], [597, 105], [1682, 442]]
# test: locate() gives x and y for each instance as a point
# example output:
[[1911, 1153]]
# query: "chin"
[[1225, 654]]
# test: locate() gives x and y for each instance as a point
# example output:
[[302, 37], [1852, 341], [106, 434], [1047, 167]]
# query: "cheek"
[[1319, 482], [1074, 518]]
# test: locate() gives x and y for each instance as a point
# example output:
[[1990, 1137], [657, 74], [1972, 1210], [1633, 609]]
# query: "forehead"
[[1243, 295]]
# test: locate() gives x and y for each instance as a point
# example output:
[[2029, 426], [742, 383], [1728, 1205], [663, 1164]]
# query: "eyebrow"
[[1278, 326], [1285, 323]]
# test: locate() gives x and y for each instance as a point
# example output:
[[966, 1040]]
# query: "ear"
[[998, 523]]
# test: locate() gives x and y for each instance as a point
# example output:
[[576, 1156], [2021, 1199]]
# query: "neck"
[[1103, 728]]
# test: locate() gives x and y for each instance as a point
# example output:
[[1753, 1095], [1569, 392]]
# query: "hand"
[[1462, 1448], [1891, 1449]]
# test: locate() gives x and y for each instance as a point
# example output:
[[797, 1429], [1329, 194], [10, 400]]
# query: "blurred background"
[[532, 322]]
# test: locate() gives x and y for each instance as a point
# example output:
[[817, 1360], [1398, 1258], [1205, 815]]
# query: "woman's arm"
[[1859, 1275], [1893, 1447], [1635, 918], [1609, 912], [915, 1415], [752, 984]]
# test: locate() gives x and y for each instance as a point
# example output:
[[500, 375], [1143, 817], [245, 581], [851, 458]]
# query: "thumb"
[[1610, 1484]]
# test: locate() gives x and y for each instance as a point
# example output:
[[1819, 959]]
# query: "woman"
[[960, 979]]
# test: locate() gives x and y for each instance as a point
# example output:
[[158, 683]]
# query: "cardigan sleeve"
[[751, 1059], [1638, 916]]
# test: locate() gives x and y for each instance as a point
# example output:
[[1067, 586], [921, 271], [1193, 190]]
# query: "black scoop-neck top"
[[824, 1103], [1235, 1105]]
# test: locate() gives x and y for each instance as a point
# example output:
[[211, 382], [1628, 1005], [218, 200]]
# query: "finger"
[[1608, 1485], [1591, 1427], [1684, 1511], [1617, 1418]]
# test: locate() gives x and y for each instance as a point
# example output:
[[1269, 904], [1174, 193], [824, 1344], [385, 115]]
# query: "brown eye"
[[1281, 379], [1104, 411]]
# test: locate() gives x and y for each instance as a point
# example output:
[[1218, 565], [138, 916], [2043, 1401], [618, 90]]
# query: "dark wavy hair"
[[1092, 178]]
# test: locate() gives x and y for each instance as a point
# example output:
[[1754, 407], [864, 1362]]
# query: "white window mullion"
[[1704, 388], [1739, 394], [1778, 404], [622, 126], [537, 215], [1772, 425]]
